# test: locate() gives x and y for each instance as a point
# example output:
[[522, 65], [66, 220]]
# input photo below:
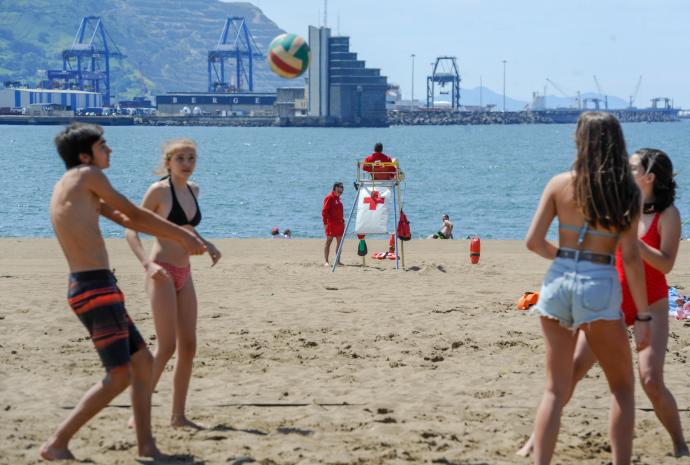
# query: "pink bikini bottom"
[[180, 275]]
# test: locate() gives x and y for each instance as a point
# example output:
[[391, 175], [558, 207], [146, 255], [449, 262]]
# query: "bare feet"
[[51, 452], [130, 422], [180, 421], [150, 450], [527, 448], [326, 264]]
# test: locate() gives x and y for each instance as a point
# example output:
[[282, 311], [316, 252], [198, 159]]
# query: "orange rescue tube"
[[475, 247]]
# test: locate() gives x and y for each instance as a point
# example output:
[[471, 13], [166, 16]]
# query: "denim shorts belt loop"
[[598, 258]]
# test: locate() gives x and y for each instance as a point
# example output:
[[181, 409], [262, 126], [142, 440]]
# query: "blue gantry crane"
[[235, 44], [86, 63], [445, 71]]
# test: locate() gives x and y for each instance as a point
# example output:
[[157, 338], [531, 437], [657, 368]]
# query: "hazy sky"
[[567, 41]]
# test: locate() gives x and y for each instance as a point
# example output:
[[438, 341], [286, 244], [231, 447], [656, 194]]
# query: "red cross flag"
[[372, 210]]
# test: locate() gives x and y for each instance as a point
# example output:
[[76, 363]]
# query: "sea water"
[[487, 178]]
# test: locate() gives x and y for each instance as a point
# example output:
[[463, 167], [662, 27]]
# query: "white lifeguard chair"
[[378, 191]]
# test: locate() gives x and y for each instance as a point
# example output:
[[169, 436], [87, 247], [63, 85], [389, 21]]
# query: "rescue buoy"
[[391, 256], [475, 247], [379, 255]]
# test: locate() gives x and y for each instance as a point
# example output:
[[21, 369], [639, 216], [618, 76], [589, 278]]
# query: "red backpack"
[[404, 233]]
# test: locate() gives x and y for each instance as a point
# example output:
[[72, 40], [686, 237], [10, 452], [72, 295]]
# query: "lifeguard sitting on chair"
[[379, 164]]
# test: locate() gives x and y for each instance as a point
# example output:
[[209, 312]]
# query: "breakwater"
[[256, 122], [23, 120], [395, 118], [443, 118]]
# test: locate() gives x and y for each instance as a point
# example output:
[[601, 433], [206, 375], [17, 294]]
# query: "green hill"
[[165, 41]]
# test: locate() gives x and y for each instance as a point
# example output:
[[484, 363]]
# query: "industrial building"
[[213, 104], [290, 102], [341, 89], [232, 58], [72, 99]]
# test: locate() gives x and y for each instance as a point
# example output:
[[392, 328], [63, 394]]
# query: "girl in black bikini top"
[[168, 276], [177, 214]]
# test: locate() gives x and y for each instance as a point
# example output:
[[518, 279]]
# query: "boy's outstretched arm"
[[122, 211], [213, 252]]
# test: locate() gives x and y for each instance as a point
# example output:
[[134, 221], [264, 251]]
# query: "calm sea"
[[487, 178]]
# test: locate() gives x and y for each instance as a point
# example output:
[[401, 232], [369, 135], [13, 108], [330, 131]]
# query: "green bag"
[[362, 248]]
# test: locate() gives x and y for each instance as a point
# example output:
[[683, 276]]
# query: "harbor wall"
[[420, 118]]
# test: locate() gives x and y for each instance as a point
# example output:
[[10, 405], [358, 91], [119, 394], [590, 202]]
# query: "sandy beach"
[[298, 365]]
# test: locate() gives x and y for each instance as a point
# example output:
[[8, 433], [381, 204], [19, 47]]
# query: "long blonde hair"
[[169, 149]]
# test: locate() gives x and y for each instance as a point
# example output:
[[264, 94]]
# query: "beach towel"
[[678, 304]]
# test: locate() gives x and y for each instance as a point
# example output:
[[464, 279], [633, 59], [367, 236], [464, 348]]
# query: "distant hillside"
[[472, 97], [489, 97], [553, 101], [166, 41]]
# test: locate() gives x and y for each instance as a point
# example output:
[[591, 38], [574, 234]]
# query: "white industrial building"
[[73, 99]]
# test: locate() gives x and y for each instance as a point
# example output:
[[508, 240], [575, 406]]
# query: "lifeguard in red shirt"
[[379, 173], [333, 219]]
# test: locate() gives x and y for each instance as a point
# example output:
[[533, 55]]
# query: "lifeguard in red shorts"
[[333, 219]]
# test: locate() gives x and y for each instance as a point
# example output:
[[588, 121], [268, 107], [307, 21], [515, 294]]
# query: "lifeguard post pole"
[[347, 226], [400, 202]]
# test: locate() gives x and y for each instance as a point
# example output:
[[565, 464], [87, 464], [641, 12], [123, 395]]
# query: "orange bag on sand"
[[527, 300]]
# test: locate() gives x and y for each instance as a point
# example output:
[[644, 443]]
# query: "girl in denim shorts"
[[659, 235], [598, 205]]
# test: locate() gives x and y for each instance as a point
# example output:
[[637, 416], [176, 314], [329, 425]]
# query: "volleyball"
[[288, 55]]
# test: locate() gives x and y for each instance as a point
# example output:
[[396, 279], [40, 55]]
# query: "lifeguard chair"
[[378, 194]]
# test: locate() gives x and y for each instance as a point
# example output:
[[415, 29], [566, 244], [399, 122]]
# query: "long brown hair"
[[605, 190]]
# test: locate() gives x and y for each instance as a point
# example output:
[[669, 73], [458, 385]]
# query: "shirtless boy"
[[79, 198]]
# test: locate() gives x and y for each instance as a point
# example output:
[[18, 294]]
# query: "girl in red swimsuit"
[[168, 275], [659, 229]]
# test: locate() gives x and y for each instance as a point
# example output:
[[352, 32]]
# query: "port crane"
[[601, 93], [236, 44], [667, 103], [565, 94], [444, 71], [86, 63], [633, 96], [595, 100]]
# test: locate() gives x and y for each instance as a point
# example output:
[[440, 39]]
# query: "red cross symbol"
[[374, 199]]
